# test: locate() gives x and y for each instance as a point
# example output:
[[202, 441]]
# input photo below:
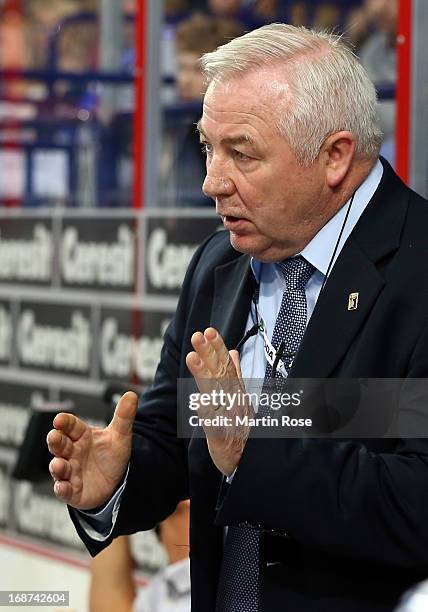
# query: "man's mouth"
[[234, 223], [230, 218]]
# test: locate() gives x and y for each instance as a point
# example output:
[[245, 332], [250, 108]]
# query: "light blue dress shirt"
[[318, 252]]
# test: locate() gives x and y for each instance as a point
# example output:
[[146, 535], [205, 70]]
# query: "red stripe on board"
[[140, 105], [42, 551], [48, 553], [403, 96]]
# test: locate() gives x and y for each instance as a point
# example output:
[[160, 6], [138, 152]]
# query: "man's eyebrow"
[[232, 140]]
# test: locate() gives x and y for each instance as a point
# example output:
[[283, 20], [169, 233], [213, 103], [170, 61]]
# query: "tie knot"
[[297, 271]]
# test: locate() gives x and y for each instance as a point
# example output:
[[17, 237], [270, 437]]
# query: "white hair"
[[328, 87]]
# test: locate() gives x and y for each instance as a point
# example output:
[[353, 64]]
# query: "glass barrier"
[[89, 278], [66, 104]]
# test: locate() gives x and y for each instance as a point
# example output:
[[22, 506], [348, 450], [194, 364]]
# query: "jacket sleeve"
[[158, 474]]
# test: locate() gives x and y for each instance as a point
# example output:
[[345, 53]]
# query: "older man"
[[331, 247]]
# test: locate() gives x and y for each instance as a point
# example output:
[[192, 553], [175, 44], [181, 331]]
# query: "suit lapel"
[[376, 236], [332, 326], [233, 291]]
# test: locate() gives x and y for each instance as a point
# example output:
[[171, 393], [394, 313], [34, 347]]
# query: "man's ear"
[[339, 150]]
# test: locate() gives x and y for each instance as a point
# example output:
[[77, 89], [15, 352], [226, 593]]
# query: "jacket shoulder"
[[217, 248], [215, 251], [417, 217]]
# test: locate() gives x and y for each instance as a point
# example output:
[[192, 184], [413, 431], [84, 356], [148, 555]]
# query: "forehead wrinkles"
[[221, 120], [259, 100]]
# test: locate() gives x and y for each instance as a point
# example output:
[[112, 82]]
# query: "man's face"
[[272, 205]]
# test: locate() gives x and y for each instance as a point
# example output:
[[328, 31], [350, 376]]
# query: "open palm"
[[89, 462]]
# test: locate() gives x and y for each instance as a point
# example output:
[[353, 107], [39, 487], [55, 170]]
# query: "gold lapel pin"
[[353, 301]]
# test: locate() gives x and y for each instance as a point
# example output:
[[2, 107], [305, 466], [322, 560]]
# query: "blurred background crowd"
[[49, 39]]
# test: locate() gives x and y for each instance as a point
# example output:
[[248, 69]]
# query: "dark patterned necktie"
[[292, 316], [239, 583]]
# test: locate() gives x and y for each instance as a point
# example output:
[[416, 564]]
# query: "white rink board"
[[39, 570]]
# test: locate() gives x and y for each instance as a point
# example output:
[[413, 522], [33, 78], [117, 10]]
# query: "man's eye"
[[241, 156]]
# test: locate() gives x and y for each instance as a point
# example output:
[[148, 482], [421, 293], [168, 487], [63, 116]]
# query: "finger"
[[206, 352], [197, 366], [60, 469], [124, 415], [227, 374], [213, 352], [69, 424], [200, 344], [218, 347], [200, 372], [59, 444], [63, 490], [197, 338]]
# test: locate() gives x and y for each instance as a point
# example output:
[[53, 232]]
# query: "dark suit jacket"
[[344, 522]]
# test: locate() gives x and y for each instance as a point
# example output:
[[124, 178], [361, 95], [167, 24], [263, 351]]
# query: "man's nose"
[[216, 186]]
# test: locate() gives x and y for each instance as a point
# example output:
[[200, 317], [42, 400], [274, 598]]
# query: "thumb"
[[124, 415]]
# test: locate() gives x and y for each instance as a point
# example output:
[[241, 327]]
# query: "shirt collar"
[[320, 249]]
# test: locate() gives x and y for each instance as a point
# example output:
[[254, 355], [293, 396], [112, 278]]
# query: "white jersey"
[[167, 591]]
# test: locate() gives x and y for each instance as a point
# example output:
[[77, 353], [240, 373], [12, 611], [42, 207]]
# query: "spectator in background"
[[196, 36], [76, 52], [378, 53], [129, 7], [112, 584], [78, 47], [320, 14], [356, 27], [266, 10], [298, 14], [169, 590], [175, 11], [17, 52], [326, 15], [13, 50], [250, 15], [182, 161], [378, 56], [224, 8], [43, 17]]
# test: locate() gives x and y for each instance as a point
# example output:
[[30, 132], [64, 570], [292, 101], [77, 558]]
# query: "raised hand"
[[89, 462], [218, 370]]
